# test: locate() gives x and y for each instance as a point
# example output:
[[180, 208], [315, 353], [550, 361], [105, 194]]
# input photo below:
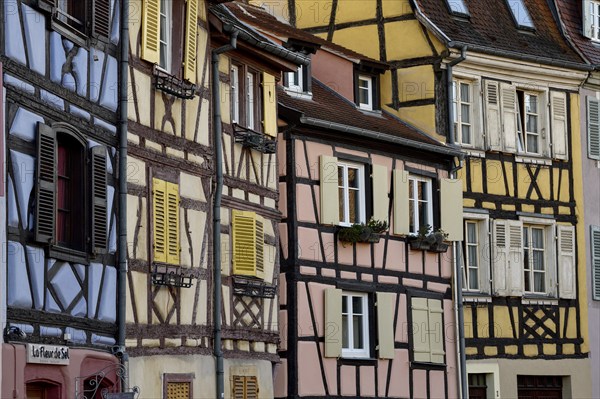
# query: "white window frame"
[[345, 197], [530, 250], [458, 117], [368, 105], [550, 254], [166, 13], [542, 124], [413, 198], [349, 352], [295, 80], [235, 94], [594, 20], [520, 14], [468, 265], [484, 255], [250, 99]]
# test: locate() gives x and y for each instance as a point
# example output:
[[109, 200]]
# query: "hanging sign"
[[47, 354]]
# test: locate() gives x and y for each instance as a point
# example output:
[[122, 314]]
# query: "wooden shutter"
[[558, 105], [595, 247], [178, 390], [244, 387], [509, 116], [451, 199], [248, 244], [333, 322], [386, 303], [237, 387], [160, 233], [420, 330], [587, 19], [260, 247], [593, 127], [251, 387], [269, 105], [45, 201], [492, 116], [483, 228], [477, 130], [436, 329], [172, 208], [151, 30], [101, 18], [380, 193], [330, 201], [500, 256], [567, 268], [515, 258], [191, 40], [99, 197], [401, 219]]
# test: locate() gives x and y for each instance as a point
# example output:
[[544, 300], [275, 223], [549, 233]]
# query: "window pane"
[[345, 342], [471, 233], [353, 204], [465, 113], [363, 97], [539, 282], [357, 305], [532, 123], [473, 279], [458, 6], [538, 260], [472, 255], [531, 103], [423, 214], [520, 13], [341, 201], [537, 238], [344, 304], [411, 215], [464, 93], [411, 189], [358, 332], [352, 177]]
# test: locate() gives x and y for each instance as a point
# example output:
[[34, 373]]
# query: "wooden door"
[[539, 387]]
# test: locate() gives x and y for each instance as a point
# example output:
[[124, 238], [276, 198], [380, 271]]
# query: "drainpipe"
[[217, 130], [462, 360], [122, 241]]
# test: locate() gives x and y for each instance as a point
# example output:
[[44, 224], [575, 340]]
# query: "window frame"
[[529, 273], [484, 255], [248, 107], [551, 255], [413, 197], [522, 114], [457, 102], [594, 29], [349, 352], [167, 13], [345, 198], [236, 91], [521, 23], [178, 378], [370, 105], [468, 261]]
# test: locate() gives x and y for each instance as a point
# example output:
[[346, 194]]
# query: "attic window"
[[458, 7], [520, 14]]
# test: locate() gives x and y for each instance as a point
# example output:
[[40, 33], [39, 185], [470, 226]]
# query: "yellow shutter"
[[330, 202], [191, 38], [420, 330], [151, 30], [178, 390], [269, 105], [260, 247], [251, 387], [172, 223], [244, 243], [436, 330], [159, 195]]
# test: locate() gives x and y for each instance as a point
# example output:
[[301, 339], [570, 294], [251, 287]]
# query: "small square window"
[[420, 203], [458, 7], [351, 186], [297, 81], [355, 325]]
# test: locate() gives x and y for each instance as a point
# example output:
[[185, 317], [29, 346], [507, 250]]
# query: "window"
[[42, 390], [591, 19], [477, 386], [177, 386], [420, 204], [593, 128], [165, 216], [458, 7], [427, 330], [298, 81], [235, 94], [245, 97], [473, 255], [355, 324], [471, 272], [534, 259], [528, 127], [463, 111], [595, 239], [351, 186], [520, 14], [77, 19], [365, 92], [248, 244], [251, 108], [72, 13], [165, 35], [244, 387]]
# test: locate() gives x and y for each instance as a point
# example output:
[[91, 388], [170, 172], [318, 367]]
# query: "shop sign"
[[47, 354]]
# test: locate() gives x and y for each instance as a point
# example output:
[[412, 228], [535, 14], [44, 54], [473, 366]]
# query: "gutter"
[[384, 137], [217, 130]]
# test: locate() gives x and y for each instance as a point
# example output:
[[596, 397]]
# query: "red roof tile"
[[570, 14]]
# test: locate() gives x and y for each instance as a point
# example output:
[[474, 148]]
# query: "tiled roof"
[[329, 106], [570, 14], [491, 25]]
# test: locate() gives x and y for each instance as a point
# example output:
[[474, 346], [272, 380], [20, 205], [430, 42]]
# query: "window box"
[[358, 232], [253, 288], [172, 85], [255, 140], [171, 275], [428, 240]]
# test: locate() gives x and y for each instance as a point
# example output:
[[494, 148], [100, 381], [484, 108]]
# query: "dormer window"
[[591, 19], [365, 92], [458, 7], [520, 14], [298, 81]]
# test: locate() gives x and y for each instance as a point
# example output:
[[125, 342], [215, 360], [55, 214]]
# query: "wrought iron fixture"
[[100, 384], [255, 140], [249, 287], [174, 276], [173, 85]]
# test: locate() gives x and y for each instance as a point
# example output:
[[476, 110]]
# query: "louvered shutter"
[[593, 127], [484, 257], [558, 105], [260, 247], [101, 18], [46, 5], [245, 243], [500, 256], [515, 258], [451, 199], [587, 18], [386, 302], [160, 233], [269, 105], [493, 125], [567, 268], [172, 208], [333, 322], [237, 387], [509, 116], [436, 330], [191, 40], [99, 197], [401, 220], [420, 330], [595, 247], [477, 129], [45, 202], [380, 193], [151, 30], [251, 387], [330, 201]]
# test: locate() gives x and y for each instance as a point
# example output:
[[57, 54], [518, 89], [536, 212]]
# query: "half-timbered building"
[[58, 150]]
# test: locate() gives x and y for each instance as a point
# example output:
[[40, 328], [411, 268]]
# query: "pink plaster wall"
[[419, 384], [310, 380], [335, 72]]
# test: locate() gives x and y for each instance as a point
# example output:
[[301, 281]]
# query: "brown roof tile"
[[570, 14]]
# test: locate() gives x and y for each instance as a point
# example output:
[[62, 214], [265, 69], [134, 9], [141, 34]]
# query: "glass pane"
[[539, 282], [531, 104], [345, 343], [464, 93], [471, 233], [340, 176], [526, 237], [527, 281], [363, 84], [538, 260], [358, 332], [357, 305], [420, 190], [411, 215], [520, 13], [423, 214], [532, 123], [465, 113], [353, 204], [363, 96], [411, 189], [458, 6], [341, 199], [353, 177], [472, 256], [473, 279], [344, 304], [466, 134], [537, 238]]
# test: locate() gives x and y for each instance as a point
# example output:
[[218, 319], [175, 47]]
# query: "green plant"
[[378, 226], [360, 232]]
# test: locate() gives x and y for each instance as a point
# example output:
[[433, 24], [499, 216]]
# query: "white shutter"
[[566, 262], [436, 330], [593, 128], [509, 116], [587, 19], [380, 193], [595, 233], [484, 256], [493, 125], [558, 119], [515, 258], [451, 198], [401, 223], [477, 131], [420, 330], [386, 303], [500, 255], [333, 322], [330, 203]]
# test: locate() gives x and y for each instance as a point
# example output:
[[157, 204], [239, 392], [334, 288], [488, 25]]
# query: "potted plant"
[[428, 239], [439, 245], [359, 232]]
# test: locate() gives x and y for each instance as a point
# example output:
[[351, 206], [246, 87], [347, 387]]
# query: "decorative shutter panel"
[[159, 210], [260, 247], [191, 40], [436, 329], [151, 30], [420, 330], [500, 256], [330, 202], [587, 20], [515, 258], [567, 268], [99, 198], [493, 126], [173, 223], [593, 127], [45, 201], [380, 193], [333, 322], [558, 104], [269, 105], [244, 243], [401, 220], [101, 18], [595, 247], [451, 199], [509, 116], [386, 302]]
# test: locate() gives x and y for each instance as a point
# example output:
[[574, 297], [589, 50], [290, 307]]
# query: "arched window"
[[42, 390]]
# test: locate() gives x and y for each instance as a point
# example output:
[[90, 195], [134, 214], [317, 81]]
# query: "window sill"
[[476, 297], [298, 94], [533, 160], [171, 275], [538, 300], [358, 361], [473, 152], [68, 255], [428, 365], [248, 286]]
